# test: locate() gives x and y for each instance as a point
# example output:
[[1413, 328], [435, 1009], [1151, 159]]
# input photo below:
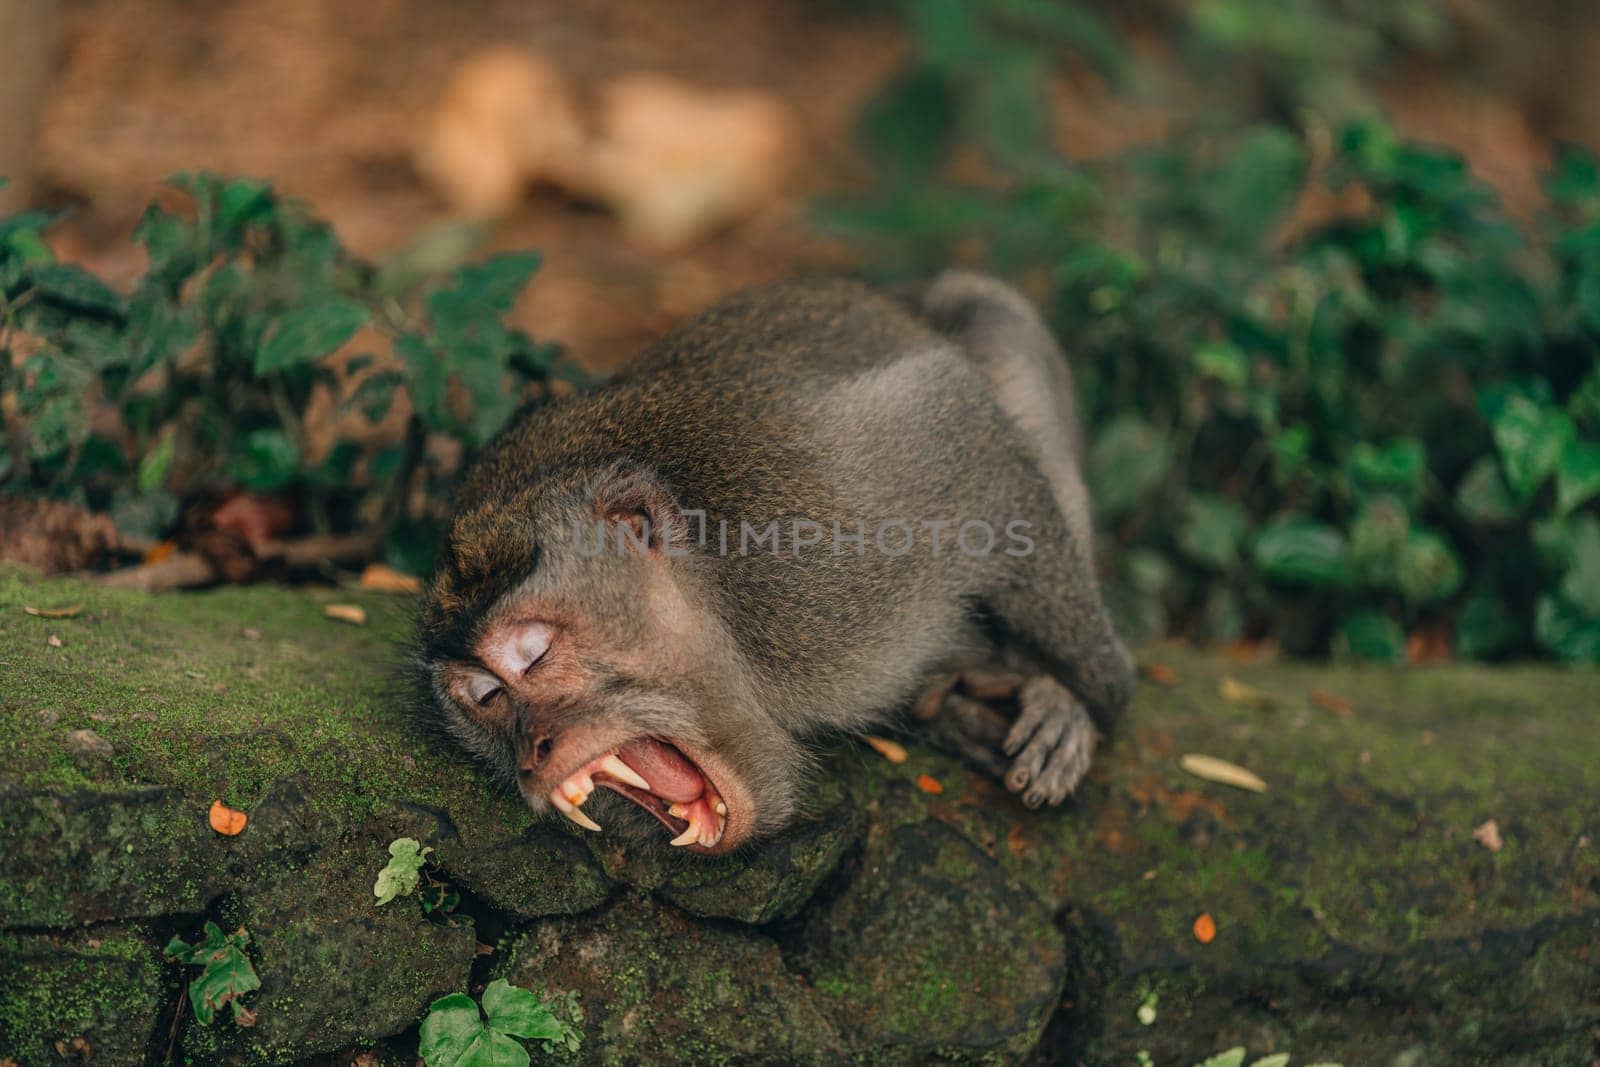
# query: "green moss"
[[105, 987]]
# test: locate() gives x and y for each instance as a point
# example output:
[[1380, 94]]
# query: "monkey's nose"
[[534, 756]]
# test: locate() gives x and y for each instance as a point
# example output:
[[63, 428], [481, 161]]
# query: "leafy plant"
[[201, 377], [457, 1034], [400, 875], [1336, 395], [226, 973], [1235, 1057]]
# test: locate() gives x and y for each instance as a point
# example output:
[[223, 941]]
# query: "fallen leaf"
[[88, 744], [1245, 696], [244, 1017], [1488, 835], [53, 641], [1335, 704], [1205, 928], [251, 633], [1221, 771], [71, 612], [889, 750], [382, 578], [1159, 673], [159, 551], [351, 613], [929, 784], [225, 821]]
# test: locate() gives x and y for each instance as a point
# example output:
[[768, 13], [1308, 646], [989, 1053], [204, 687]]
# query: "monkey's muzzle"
[[658, 777]]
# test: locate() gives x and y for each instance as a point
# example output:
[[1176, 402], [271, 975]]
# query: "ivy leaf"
[[267, 460], [907, 128], [1301, 551], [1577, 474], [453, 1026], [1370, 635], [520, 1012], [1530, 439], [1211, 529], [400, 876], [1126, 464], [309, 333], [493, 1049], [226, 974]]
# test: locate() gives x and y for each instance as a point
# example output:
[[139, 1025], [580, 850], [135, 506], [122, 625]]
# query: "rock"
[[540, 872], [88, 747], [1357, 917], [506, 117], [770, 881], [654, 984], [677, 163], [101, 991], [335, 968], [930, 954]]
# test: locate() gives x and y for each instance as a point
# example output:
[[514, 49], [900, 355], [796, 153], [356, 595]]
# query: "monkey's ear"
[[647, 513]]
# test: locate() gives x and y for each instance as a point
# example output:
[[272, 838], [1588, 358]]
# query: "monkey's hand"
[[1045, 752]]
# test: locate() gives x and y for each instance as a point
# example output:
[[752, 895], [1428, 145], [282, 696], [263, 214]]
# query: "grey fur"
[[819, 400]]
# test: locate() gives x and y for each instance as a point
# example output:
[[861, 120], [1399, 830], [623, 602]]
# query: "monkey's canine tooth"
[[689, 836], [612, 764], [570, 810]]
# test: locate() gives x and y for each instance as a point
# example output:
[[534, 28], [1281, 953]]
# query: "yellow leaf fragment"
[[889, 750], [382, 578], [55, 613], [351, 613], [1488, 835], [1240, 695], [1222, 772]]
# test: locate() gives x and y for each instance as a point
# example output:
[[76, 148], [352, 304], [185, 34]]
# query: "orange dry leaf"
[[224, 820], [886, 748], [1205, 928], [351, 613], [383, 578], [55, 613], [1159, 673], [929, 784], [1335, 704]]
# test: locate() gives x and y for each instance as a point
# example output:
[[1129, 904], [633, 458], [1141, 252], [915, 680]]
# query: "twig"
[[185, 570]]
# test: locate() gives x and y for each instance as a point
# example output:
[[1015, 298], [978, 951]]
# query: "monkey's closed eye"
[[482, 687]]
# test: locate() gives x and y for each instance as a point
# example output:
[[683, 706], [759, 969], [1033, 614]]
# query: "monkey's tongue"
[[671, 777]]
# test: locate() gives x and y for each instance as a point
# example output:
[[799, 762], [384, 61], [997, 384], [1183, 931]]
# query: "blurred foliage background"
[[1328, 270]]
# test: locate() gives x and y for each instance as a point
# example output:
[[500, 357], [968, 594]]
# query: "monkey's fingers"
[[970, 730], [1067, 764], [991, 683], [1056, 739]]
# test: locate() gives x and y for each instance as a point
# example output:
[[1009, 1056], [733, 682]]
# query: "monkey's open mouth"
[[659, 778]]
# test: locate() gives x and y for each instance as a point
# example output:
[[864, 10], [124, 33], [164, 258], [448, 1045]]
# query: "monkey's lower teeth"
[[706, 815]]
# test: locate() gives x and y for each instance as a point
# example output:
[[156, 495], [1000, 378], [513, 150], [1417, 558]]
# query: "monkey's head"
[[568, 640]]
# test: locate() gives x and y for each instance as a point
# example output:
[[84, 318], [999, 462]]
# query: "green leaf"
[[1581, 583], [1429, 568], [1397, 467], [1577, 474], [64, 283], [1301, 551], [453, 1026], [267, 460], [400, 876], [309, 333], [1127, 462], [1564, 630], [1370, 635], [1483, 498], [1212, 529], [521, 1013], [494, 1049], [1277, 1059], [479, 293], [1485, 627], [226, 975], [1233, 1057], [1530, 438], [155, 465], [906, 129]]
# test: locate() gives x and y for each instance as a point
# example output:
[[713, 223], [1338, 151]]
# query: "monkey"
[[800, 513]]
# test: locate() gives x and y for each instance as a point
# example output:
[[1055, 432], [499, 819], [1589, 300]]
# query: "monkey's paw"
[[1051, 743]]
